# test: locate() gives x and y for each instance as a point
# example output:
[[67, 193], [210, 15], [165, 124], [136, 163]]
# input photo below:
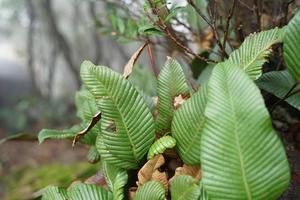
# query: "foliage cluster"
[[220, 135]]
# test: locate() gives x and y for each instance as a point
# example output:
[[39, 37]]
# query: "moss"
[[22, 183]]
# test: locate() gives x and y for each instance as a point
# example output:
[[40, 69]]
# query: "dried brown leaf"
[[129, 66], [146, 172], [94, 121], [191, 170], [160, 177], [97, 179], [179, 100]]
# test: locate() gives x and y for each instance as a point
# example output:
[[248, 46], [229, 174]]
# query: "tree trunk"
[[62, 42], [30, 47], [95, 36]]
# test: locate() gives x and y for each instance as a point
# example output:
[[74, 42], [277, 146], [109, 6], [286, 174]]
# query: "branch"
[[212, 25], [287, 95], [256, 9], [187, 50], [230, 15], [191, 2], [216, 33]]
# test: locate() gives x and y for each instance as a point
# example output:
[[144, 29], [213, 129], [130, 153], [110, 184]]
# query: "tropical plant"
[[211, 142]]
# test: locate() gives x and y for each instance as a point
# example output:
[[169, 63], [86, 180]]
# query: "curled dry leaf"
[[179, 100], [150, 172], [191, 170], [160, 177], [97, 179], [129, 66], [94, 121]]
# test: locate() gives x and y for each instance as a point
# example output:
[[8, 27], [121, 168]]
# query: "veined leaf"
[[69, 133], [291, 47], [116, 179], [159, 146], [185, 187], [151, 190], [53, 192], [255, 50], [90, 192], [241, 155], [127, 125], [171, 82], [279, 83], [57, 134], [86, 105], [86, 109], [93, 155], [77, 192], [188, 125]]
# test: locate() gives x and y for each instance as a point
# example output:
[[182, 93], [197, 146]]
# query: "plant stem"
[[229, 17], [287, 95]]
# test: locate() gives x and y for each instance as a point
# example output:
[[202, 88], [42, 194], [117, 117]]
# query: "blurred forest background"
[[43, 43]]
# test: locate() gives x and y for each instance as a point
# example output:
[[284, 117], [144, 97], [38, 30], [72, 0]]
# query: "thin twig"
[[191, 2], [160, 23], [215, 31], [287, 10], [187, 50], [293, 93], [245, 5], [287, 95], [257, 13], [212, 25], [229, 17], [152, 60]]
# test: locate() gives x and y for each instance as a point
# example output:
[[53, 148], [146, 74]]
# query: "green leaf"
[[187, 126], [53, 192], [291, 46], [121, 25], [185, 187], [89, 138], [86, 109], [255, 50], [171, 82], [93, 155], [79, 191], [150, 30], [116, 179], [90, 192], [86, 105], [127, 125], [59, 134], [173, 13], [159, 146], [151, 190], [279, 83], [241, 155], [205, 74]]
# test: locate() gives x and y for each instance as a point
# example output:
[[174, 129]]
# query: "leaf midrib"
[[259, 53], [186, 191], [193, 141], [122, 118], [236, 135]]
